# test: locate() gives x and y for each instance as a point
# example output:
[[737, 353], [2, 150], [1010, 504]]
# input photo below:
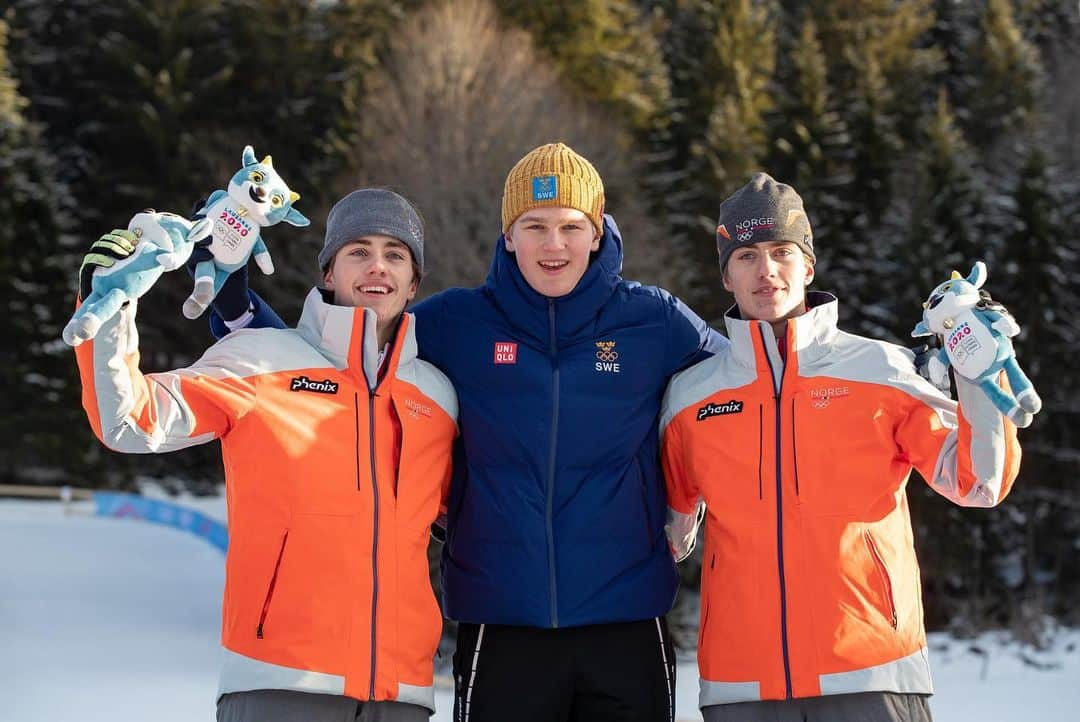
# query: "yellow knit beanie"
[[553, 175]]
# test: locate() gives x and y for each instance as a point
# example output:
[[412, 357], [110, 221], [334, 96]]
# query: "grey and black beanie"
[[373, 211], [762, 210]]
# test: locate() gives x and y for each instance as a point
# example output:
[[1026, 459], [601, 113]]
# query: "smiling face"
[[374, 272], [769, 282], [552, 247]]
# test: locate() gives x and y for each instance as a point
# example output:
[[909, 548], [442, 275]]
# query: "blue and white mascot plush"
[[257, 197], [976, 338], [165, 242]]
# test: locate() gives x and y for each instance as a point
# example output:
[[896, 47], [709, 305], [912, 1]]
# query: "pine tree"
[[1036, 281], [606, 48], [1007, 72], [680, 198], [735, 134], [811, 147], [721, 60], [943, 231], [955, 31], [40, 419], [880, 70], [1051, 26]]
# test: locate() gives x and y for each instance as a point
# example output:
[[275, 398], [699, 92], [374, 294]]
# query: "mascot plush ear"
[[257, 197], [296, 218], [977, 277], [976, 336]]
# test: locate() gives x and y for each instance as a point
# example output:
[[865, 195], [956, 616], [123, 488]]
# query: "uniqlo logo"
[[505, 353]]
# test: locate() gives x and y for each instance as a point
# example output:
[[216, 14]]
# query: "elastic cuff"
[[242, 321]]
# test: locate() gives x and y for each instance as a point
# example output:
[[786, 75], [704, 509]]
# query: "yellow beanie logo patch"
[[545, 188]]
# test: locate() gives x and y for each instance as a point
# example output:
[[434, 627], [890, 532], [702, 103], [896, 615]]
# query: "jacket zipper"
[[374, 535], [270, 588], [551, 466], [883, 571], [777, 392], [372, 392]]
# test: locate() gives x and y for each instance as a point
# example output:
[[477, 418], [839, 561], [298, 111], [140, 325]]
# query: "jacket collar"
[[808, 336], [528, 312], [346, 336]]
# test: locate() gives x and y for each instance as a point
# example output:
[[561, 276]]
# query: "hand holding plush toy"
[[257, 197], [976, 343], [153, 243]]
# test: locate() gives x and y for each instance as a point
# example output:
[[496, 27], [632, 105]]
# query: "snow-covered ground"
[[105, 620]]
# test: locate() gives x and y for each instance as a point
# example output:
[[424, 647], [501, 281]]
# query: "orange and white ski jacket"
[[810, 585], [326, 577]]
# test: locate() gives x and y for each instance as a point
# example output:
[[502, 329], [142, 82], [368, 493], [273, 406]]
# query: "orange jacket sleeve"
[[134, 412], [967, 452]]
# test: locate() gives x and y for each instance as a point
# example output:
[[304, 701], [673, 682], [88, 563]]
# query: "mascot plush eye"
[[946, 287], [257, 177], [276, 201]]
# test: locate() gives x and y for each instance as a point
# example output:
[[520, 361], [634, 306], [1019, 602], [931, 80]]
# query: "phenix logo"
[[711, 409], [303, 383]]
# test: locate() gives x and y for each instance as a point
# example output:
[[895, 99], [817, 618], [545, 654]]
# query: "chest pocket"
[[733, 451], [303, 441], [842, 445]]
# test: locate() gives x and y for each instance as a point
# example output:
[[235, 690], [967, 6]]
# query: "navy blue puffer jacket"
[[557, 507]]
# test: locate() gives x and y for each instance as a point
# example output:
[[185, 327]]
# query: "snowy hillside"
[[105, 620]]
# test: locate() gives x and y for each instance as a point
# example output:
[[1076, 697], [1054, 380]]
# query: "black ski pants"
[[622, 672]]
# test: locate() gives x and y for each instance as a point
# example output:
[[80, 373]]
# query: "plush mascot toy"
[[976, 338], [165, 242], [257, 197]]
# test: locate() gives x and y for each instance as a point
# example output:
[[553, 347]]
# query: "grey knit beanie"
[[371, 211], [762, 210]]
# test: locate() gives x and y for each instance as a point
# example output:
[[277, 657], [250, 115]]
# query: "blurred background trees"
[[922, 135]]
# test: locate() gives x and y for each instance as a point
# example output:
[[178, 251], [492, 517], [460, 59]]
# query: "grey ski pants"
[[863, 707], [280, 705]]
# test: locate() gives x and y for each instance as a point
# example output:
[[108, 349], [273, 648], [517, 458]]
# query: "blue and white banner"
[[158, 511]]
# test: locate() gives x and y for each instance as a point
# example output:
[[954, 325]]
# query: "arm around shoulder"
[[690, 339], [430, 318], [258, 315]]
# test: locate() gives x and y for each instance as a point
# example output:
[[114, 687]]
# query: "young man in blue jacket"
[[556, 564]]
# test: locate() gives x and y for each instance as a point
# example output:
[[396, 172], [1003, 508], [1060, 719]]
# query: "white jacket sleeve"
[[154, 413]]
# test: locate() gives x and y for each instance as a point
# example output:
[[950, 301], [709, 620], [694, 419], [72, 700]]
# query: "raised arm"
[[137, 413], [134, 412], [967, 452]]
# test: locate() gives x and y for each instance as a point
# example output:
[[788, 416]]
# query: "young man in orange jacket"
[[337, 443], [795, 446]]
